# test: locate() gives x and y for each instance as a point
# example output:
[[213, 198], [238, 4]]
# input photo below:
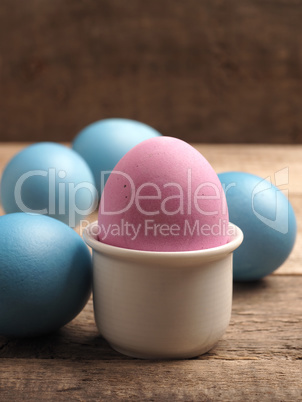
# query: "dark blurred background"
[[201, 70]]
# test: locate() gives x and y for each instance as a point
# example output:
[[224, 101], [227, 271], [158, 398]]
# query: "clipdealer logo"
[[280, 209], [62, 199]]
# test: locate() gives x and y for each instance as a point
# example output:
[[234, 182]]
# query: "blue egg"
[[267, 220], [49, 179], [45, 274], [103, 143]]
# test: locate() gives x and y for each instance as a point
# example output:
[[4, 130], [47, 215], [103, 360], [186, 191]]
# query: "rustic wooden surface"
[[258, 359], [204, 71]]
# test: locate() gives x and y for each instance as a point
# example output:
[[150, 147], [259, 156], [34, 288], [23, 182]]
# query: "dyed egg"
[[103, 143], [163, 195], [267, 220], [49, 179], [45, 274]]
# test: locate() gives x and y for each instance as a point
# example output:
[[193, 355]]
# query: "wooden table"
[[259, 358]]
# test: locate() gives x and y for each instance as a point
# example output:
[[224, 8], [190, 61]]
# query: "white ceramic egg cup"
[[162, 305]]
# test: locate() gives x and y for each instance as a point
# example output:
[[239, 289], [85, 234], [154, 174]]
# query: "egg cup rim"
[[125, 253]]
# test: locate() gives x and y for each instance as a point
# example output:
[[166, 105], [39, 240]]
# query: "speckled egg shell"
[[45, 274], [184, 206]]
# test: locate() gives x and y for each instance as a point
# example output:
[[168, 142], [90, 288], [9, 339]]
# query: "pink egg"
[[163, 195]]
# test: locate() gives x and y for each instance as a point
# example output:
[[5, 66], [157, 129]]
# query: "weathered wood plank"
[[135, 380], [265, 326], [205, 71]]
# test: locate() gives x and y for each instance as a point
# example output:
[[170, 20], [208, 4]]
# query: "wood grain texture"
[[204, 71], [258, 359], [150, 381]]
